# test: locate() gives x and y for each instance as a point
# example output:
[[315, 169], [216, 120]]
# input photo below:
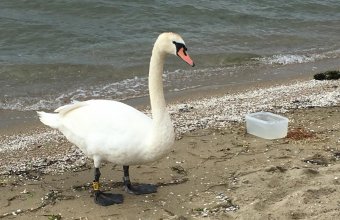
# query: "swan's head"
[[172, 43]]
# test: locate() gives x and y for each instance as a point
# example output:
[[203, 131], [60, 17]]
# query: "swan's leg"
[[138, 189], [101, 198]]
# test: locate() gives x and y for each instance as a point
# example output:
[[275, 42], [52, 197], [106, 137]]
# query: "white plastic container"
[[267, 125]]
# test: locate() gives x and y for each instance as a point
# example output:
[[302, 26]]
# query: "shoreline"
[[18, 121], [181, 84], [248, 77]]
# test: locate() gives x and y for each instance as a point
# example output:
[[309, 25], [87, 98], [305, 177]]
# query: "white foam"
[[128, 88], [124, 89], [284, 59]]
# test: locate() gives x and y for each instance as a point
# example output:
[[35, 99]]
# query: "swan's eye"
[[180, 46]]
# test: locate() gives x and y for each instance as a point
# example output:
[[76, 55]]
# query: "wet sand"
[[215, 171]]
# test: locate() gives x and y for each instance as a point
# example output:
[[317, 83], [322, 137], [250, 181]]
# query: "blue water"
[[56, 51]]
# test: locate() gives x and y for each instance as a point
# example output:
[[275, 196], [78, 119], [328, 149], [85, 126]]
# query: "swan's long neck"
[[162, 134], [158, 106]]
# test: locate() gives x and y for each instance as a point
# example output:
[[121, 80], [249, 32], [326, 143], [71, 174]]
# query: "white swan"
[[115, 132]]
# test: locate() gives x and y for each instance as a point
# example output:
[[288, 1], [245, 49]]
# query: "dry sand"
[[216, 170]]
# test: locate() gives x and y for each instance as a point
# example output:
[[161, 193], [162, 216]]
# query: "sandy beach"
[[215, 171], [227, 59]]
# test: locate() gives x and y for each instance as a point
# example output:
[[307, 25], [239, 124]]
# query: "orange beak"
[[185, 57]]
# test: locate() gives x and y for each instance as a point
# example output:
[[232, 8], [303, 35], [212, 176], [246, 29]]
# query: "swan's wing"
[[103, 123], [70, 107]]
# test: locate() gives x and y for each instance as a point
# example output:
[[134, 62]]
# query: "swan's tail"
[[50, 119]]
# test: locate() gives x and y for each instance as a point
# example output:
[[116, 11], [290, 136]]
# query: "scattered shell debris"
[[32, 169], [214, 112], [218, 112], [221, 203]]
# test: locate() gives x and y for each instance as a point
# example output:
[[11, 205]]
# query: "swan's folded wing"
[[70, 107], [104, 122]]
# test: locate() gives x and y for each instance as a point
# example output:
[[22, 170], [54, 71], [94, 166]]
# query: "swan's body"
[[112, 131], [115, 132]]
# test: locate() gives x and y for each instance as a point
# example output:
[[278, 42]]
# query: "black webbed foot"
[[140, 189]]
